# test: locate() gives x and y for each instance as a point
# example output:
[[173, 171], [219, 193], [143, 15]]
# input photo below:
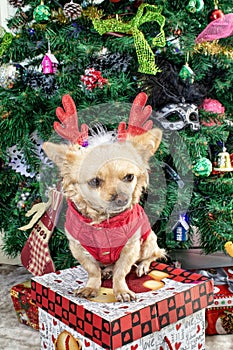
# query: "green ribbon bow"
[[145, 13]]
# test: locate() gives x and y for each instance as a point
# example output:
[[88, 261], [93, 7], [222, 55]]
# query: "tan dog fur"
[[104, 180]]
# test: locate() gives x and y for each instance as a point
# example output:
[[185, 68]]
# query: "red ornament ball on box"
[[215, 14]]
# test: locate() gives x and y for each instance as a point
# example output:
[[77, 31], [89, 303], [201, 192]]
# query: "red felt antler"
[[138, 123], [69, 119]]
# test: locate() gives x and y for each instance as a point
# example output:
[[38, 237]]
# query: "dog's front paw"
[[143, 268], [86, 292], [125, 295]]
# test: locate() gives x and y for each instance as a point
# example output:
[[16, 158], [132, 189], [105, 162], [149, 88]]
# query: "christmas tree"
[[103, 53]]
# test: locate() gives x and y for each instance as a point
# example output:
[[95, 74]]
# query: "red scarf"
[[105, 241]]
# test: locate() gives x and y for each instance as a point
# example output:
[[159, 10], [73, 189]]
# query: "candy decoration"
[[92, 79], [16, 3], [202, 167], [229, 248], [146, 13], [195, 6], [41, 13], [35, 255], [72, 10]]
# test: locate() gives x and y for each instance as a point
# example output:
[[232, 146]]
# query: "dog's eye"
[[95, 182], [128, 178]]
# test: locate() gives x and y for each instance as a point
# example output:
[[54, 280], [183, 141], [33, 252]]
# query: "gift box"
[[169, 311], [219, 315], [26, 309]]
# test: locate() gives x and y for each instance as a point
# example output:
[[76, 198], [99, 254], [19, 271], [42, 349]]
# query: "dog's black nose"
[[120, 199]]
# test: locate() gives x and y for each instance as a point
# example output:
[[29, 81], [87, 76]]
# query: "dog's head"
[[107, 178]]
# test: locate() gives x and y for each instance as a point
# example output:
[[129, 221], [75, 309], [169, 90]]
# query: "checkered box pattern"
[[112, 325]]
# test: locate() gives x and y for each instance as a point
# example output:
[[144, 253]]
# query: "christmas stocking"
[[35, 255]]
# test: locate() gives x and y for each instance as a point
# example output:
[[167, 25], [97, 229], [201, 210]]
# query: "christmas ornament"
[[41, 13], [72, 10], [16, 3], [184, 115], [217, 29], [180, 229], [146, 13], [212, 106], [35, 255], [92, 79], [195, 6], [6, 39], [223, 162], [215, 14], [229, 248], [49, 63], [202, 167], [59, 16], [9, 73], [186, 73]]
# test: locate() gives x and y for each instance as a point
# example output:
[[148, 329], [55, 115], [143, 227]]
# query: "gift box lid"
[[164, 296]]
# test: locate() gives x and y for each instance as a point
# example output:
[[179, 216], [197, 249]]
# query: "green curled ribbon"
[[145, 13]]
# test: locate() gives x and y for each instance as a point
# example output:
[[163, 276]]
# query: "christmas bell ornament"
[[42, 13], [72, 10], [223, 162], [202, 168], [16, 3]]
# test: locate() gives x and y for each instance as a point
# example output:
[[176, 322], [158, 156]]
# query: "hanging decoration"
[[93, 79], [186, 73], [9, 74], [181, 228], [49, 62], [59, 16], [202, 167], [195, 6], [19, 20], [35, 255], [223, 161], [72, 10], [229, 248], [183, 115], [41, 13], [212, 106], [146, 13], [6, 39], [217, 29]]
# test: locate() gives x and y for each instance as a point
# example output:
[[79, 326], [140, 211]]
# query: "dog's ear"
[[57, 153], [147, 143]]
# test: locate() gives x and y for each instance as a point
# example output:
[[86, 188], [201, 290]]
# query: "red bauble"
[[215, 14], [115, 0]]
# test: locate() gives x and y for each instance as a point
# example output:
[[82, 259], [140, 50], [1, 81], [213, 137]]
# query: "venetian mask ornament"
[[178, 116]]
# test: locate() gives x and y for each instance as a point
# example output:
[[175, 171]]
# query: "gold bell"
[[223, 161]]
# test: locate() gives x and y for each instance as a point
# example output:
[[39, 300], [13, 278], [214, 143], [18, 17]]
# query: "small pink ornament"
[[212, 106], [49, 63]]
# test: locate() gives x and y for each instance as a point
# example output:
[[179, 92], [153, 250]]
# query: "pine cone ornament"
[[72, 10], [16, 3]]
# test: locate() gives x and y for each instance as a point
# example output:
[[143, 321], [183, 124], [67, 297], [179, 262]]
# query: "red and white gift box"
[[219, 315], [169, 312]]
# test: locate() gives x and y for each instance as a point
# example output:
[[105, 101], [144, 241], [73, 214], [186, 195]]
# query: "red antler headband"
[[138, 121]]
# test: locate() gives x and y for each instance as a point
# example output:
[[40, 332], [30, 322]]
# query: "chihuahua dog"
[[108, 230]]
